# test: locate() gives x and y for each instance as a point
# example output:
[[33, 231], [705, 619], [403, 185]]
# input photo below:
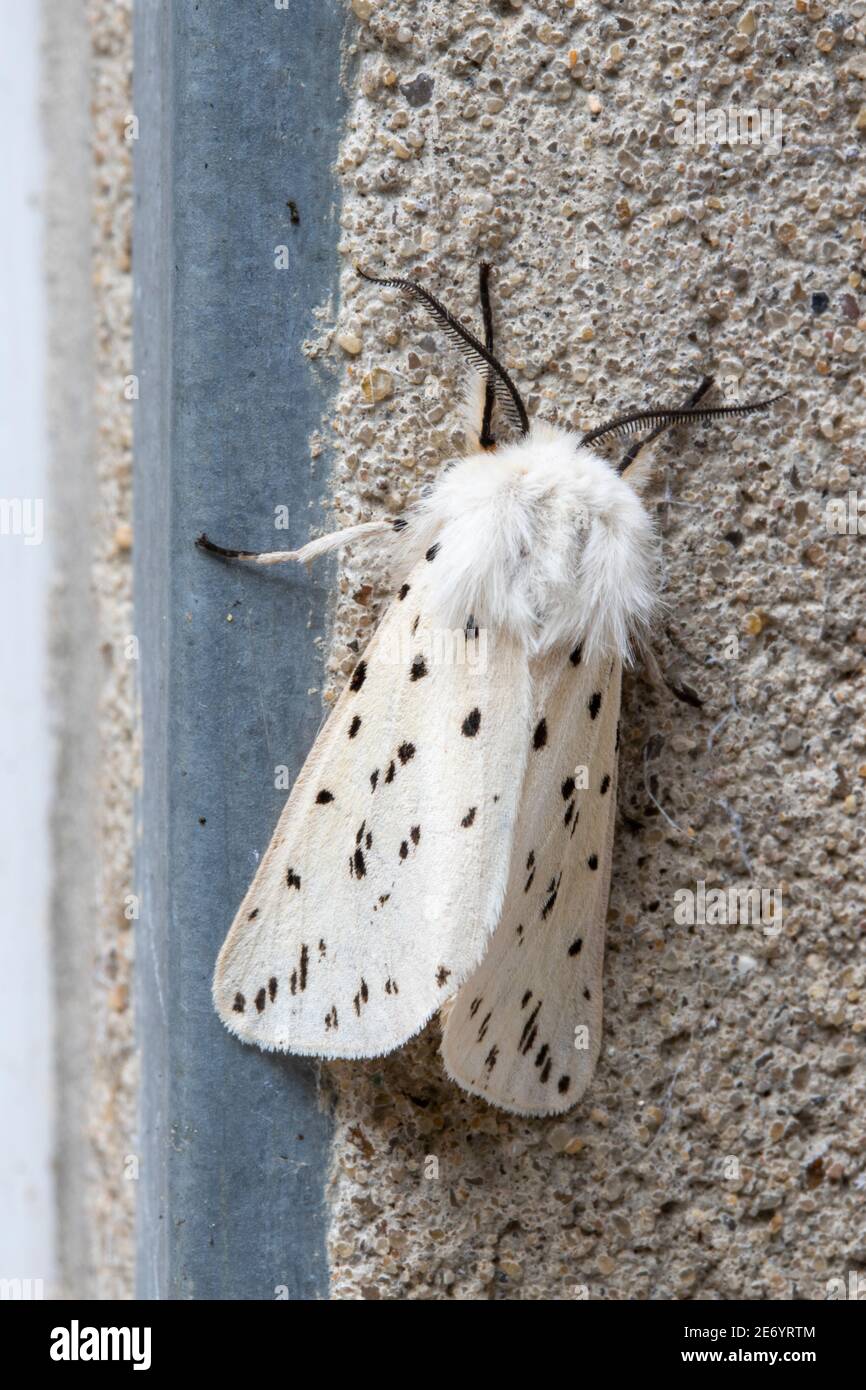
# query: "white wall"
[[26, 1185]]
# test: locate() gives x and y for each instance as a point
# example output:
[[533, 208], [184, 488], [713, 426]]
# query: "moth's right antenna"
[[466, 342], [634, 449], [662, 417]]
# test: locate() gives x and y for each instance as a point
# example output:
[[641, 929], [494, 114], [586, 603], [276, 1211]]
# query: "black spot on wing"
[[360, 832], [302, 977], [594, 704], [389, 775], [586, 993], [399, 524], [592, 861], [545, 1071], [418, 669], [406, 752], [541, 1055], [292, 879], [490, 1059], [403, 592], [474, 1007], [354, 726], [374, 777], [442, 976], [576, 946], [359, 675], [568, 789], [325, 796], [605, 783], [563, 1084], [472, 723], [539, 738], [253, 915], [260, 1000], [483, 1029], [469, 818], [529, 1030], [240, 1004], [414, 836], [359, 863], [576, 655], [272, 988], [526, 998], [432, 552], [530, 864], [550, 903], [569, 812]]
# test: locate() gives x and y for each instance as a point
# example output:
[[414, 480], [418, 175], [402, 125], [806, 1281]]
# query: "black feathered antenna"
[[486, 437], [694, 399], [466, 342], [662, 417]]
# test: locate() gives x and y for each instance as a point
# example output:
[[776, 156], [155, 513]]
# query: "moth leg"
[[658, 680], [634, 449], [685, 693], [321, 546]]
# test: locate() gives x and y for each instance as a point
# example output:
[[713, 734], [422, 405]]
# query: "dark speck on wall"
[[419, 91]]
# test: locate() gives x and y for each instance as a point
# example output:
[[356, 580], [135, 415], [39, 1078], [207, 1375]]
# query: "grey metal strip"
[[240, 107]]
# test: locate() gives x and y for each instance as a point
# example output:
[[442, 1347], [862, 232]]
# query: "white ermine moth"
[[449, 837]]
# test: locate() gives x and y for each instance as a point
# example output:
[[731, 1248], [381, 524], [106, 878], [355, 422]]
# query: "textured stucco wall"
[[87, 57], [720, 1150]]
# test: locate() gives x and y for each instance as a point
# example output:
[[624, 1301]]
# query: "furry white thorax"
[[541, 538]]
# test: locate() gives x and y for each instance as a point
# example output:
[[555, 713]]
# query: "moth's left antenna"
[[486, 437], [464, 340]]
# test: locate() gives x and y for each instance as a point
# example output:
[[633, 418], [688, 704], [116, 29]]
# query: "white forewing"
[[386, 874], [525, 1029]]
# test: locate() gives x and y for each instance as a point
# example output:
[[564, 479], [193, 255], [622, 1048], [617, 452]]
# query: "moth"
[[447, 844]]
